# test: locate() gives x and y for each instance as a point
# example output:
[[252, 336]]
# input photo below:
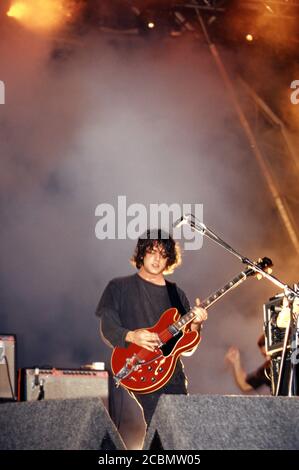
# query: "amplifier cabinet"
[[46, 384], [7, 366]]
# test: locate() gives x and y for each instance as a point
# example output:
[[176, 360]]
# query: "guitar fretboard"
[[189, 316]]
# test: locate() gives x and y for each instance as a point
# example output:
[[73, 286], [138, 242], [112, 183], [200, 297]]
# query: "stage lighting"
[[17, 10]]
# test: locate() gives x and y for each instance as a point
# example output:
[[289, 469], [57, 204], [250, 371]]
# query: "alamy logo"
[[2, 92], [132, 221]]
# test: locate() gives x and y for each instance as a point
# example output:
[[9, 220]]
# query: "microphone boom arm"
[[198, 226]]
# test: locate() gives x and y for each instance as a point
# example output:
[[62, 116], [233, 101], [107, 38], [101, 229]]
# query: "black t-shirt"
[[129, 303], [258, 378]]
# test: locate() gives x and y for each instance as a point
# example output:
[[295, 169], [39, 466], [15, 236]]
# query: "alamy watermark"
[[295, 94], [132, 221], [2, 92]]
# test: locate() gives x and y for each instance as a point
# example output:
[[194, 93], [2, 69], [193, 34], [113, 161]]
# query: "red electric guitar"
[[143, 371]]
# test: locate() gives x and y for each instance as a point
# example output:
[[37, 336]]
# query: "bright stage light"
[[41, 14], [249, 37], [18, 10], [151, 24]]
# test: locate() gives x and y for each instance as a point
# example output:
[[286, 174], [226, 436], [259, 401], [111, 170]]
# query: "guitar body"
[[155, 367], [143, 371]]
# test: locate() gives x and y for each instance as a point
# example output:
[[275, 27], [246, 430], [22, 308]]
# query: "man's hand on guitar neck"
[[143, 338], [201, 316]]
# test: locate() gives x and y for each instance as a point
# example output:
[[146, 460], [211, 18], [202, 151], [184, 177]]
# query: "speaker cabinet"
[[7, 367], [45, 384], [73, 424], [203, 422]]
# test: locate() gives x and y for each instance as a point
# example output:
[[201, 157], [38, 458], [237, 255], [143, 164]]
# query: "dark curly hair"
[[153, 238]]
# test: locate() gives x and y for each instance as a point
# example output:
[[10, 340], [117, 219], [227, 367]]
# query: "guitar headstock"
[[263, 263]]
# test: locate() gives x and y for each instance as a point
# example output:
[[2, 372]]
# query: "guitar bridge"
[[132, 364]]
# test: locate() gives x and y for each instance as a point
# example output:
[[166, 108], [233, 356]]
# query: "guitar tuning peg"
[[259, 276]]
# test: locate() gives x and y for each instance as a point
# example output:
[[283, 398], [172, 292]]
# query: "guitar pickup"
[[173, 330]]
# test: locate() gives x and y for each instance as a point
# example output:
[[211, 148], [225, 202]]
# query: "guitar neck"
[[212, 299]]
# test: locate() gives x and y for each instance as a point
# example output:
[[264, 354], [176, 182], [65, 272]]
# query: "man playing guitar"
[[132, 304]]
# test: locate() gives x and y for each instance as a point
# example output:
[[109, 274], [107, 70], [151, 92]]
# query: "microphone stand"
[[290, 293], [41, 393], [294, 337]]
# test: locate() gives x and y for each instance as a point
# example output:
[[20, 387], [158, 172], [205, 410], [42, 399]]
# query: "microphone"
[[41, 394], [36, 377], [181, 221]]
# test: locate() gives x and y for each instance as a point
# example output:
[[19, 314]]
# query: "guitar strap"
[[174, 297]]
